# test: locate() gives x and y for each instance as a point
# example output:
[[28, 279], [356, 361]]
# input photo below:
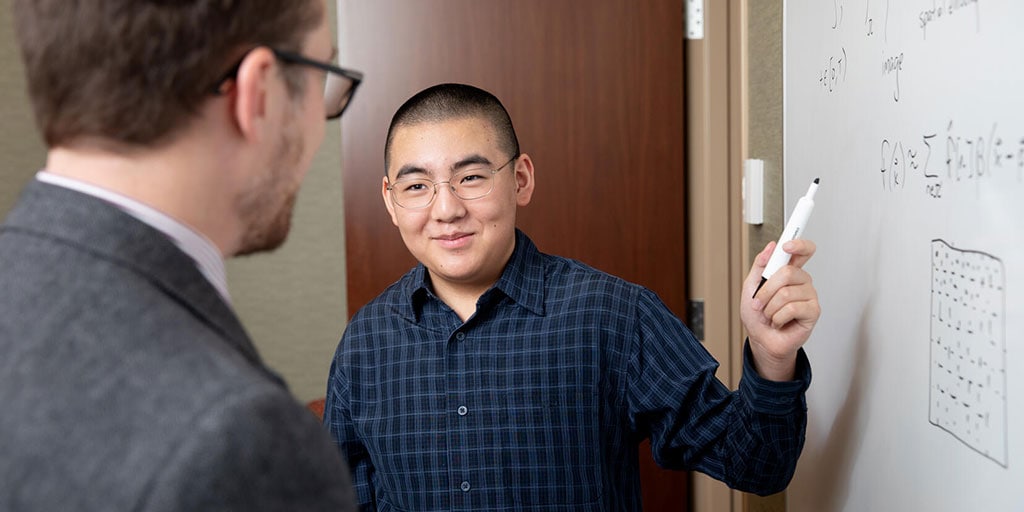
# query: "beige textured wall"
[[764, 36], [21, 150], [292, 301]]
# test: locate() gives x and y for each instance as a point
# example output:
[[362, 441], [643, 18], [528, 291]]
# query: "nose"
[[447, 206]]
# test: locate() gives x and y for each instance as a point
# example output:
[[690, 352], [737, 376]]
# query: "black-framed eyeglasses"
[[339, 85], [468, 184]]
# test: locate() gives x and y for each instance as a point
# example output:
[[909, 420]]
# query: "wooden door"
[[595, 90]]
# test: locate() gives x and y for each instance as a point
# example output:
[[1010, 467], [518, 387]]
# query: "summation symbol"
[[967, 395]]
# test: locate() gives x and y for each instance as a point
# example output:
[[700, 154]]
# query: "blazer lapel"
[[96, 226]]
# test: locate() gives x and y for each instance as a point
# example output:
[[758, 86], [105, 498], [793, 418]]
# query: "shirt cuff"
[[767, 396]]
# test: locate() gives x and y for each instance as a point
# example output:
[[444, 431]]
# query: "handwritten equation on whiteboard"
[[967, 395], [935, 163]]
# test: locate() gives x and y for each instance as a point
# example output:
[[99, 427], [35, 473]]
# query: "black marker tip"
[[816, 180], [759, 287]]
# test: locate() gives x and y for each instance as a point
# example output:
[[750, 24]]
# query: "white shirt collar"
[[203, 251]]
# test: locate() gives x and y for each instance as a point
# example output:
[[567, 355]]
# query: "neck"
[[180, 179], [461, 298]]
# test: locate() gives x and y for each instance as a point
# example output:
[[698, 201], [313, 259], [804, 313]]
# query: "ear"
[[524, 180], [252, 89], [390, 205]]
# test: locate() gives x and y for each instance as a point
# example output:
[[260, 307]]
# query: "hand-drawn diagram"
[[967, 395]]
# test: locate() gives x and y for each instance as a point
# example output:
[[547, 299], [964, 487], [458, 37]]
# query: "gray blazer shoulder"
[[129, 384]]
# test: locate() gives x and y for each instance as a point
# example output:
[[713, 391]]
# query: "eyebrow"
[[474, 159], [409, 169], [471, 160]]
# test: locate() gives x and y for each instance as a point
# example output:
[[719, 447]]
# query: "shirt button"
[[460, 336], [463, 410], [464, 487]]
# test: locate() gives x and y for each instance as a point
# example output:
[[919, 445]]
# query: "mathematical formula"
[[953, 158]]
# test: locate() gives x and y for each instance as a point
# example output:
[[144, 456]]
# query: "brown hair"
[[136, 71], [452, 101]]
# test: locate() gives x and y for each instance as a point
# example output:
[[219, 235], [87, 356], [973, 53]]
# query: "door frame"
[[717, 132]]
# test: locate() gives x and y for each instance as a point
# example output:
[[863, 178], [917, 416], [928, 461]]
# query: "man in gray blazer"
[[178, 135]]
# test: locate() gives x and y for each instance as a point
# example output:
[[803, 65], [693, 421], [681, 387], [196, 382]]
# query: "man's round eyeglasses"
[[339, 85], [468, 184]]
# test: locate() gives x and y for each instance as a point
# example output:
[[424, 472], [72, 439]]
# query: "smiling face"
[[464, 244]]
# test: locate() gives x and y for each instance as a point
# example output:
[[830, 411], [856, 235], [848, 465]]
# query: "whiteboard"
[[912, 114]]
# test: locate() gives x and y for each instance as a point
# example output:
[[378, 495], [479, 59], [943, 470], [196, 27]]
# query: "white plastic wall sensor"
[[753, 191]]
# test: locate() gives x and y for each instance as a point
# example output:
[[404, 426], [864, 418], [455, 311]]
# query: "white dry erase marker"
[[794, 228]]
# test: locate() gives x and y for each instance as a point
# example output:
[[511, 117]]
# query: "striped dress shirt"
[[540, 399]]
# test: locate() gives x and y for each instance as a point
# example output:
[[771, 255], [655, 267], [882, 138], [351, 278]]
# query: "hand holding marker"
[[794, 228]]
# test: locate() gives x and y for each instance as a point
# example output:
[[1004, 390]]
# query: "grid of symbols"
[[968, 354]]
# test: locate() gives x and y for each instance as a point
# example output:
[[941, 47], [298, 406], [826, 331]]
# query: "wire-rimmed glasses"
[[468, 184]]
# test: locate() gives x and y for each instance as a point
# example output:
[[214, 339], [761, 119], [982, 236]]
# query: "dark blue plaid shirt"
[[539, 400]]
